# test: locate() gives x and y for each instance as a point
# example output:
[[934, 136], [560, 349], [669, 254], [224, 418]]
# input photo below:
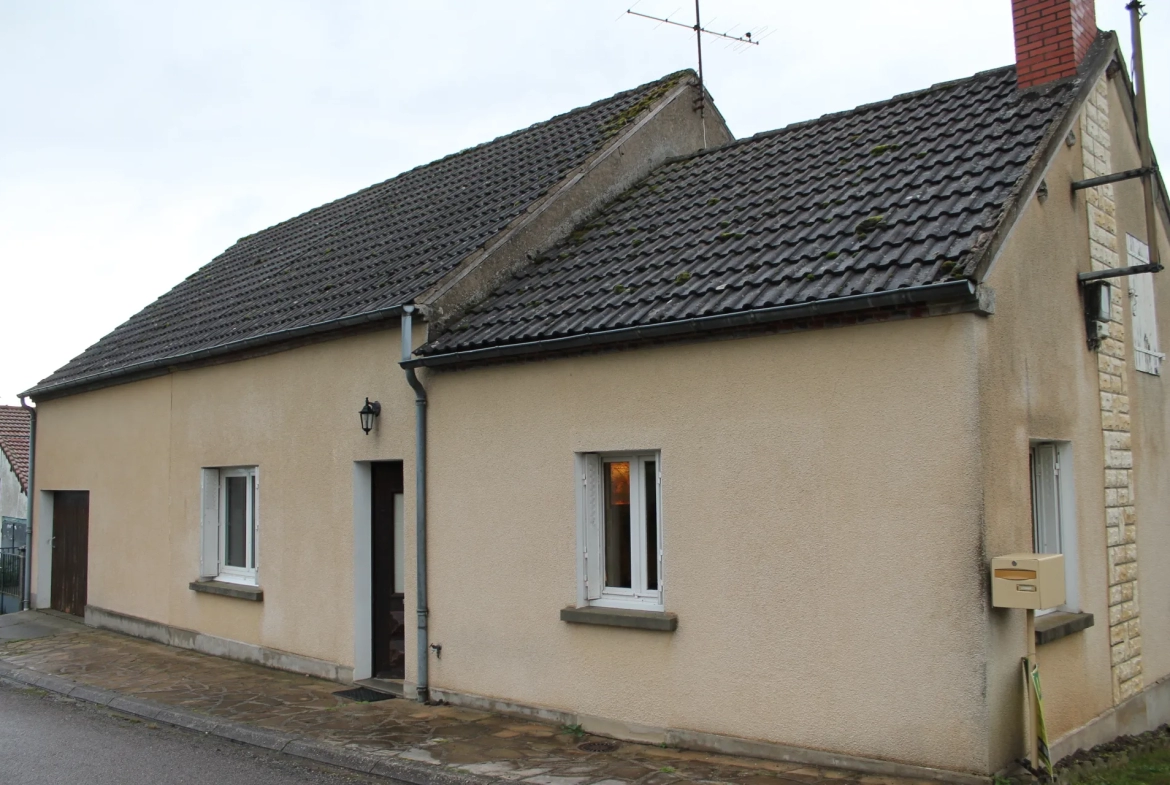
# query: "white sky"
[[140, 139]]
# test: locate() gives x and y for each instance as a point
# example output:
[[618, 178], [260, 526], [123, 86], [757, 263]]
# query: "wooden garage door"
[[70, 551]]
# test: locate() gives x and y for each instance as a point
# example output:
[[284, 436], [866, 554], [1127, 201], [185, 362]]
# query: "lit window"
[[621, 531]]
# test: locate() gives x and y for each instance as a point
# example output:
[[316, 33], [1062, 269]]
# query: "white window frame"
[[1061, 496], [1144, 319], [215, 529], [591, 588]]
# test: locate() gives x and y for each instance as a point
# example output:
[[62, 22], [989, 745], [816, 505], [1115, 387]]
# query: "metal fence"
[[12, 567]]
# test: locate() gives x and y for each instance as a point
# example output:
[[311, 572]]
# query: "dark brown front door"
[[70, 551], [389, 621]]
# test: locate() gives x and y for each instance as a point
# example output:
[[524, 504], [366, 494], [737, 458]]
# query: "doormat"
[[363, 695]]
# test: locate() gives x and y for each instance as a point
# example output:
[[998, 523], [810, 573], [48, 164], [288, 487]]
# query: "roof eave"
[[163, 365], [963, 292]]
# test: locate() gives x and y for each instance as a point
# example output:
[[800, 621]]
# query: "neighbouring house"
[[15, 422], [715, 438]]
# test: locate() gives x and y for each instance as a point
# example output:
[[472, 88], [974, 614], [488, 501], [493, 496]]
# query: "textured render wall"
[[13, 501], [1039, 381], [1051, 386], [293, 414], [821, 531], [139, 448], [113, 443]]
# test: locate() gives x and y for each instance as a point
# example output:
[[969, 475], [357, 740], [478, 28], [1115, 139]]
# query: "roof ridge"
[[894, 99], [450, 156]]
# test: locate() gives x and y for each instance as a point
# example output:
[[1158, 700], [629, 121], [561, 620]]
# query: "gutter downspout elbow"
[[32, 476], [420, 502]]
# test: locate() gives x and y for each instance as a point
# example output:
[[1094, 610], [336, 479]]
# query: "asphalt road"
[[47, 739]]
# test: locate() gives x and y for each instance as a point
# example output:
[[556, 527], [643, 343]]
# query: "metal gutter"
[[32, 477], [159, 365], [420, 505], [916, 295]]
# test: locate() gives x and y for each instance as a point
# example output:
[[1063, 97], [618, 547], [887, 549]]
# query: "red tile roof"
[[15, 425]]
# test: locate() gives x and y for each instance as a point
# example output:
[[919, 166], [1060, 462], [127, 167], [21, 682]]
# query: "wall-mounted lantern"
[[369, 413], [1098, 310]]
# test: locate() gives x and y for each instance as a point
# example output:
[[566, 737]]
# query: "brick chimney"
[[1052, 38]]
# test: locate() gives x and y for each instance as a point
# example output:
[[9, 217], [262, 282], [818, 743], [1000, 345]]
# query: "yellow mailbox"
[[1027, 580]]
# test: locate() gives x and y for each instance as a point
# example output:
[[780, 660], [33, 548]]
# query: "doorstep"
[[396, 687]]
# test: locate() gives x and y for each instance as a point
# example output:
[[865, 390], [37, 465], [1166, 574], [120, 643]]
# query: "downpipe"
[[32, 484], [420, 503]]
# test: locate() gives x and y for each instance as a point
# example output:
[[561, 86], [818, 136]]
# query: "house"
[[15, 424], [680, 438], [14, 444]]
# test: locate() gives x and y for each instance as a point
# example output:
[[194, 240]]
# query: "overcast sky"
[[140, 139]]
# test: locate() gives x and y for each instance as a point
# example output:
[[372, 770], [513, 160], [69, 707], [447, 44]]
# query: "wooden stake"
[[1030, 693]]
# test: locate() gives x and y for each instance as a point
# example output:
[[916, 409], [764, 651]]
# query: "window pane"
[[1045, 499], [252, 518], [651, 475], [617, 525], [235, 531]]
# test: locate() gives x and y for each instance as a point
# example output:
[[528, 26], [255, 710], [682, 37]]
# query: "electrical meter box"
[[1027, 580]]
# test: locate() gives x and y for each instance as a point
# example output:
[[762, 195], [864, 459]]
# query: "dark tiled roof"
[[15, 424], [368, 252], [887, 196]]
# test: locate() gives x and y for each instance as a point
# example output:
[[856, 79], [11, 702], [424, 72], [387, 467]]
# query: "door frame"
[[363, 572], [42, 539]]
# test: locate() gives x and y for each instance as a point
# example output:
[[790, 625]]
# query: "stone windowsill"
[[1060, 624], [224, 589], [657, 621]]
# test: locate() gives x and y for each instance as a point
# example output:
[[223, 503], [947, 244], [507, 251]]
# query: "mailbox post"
[[1032, 581]]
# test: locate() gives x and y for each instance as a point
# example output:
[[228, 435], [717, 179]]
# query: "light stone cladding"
[[1112, 366]]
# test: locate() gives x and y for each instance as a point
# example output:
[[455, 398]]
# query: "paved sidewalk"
[[426, 745]]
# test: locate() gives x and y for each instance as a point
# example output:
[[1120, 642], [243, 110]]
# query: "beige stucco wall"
[[1039, 381], [821, 530], [138, 448]]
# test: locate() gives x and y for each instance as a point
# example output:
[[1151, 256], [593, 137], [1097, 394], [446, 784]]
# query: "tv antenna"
[[744, 41]]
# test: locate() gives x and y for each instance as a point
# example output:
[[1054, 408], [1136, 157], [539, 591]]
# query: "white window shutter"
[[1147, 357], [209, 525], [593, 525]]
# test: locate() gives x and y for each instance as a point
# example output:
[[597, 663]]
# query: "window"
[[1147, 358], [229, 524], [1053, 521], [620, 530]]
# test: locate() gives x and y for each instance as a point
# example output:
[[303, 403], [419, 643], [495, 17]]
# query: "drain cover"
[[363, 695], [598, 746]]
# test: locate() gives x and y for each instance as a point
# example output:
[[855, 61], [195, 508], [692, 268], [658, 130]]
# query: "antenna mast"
[[1149, 181], [745, 39]]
